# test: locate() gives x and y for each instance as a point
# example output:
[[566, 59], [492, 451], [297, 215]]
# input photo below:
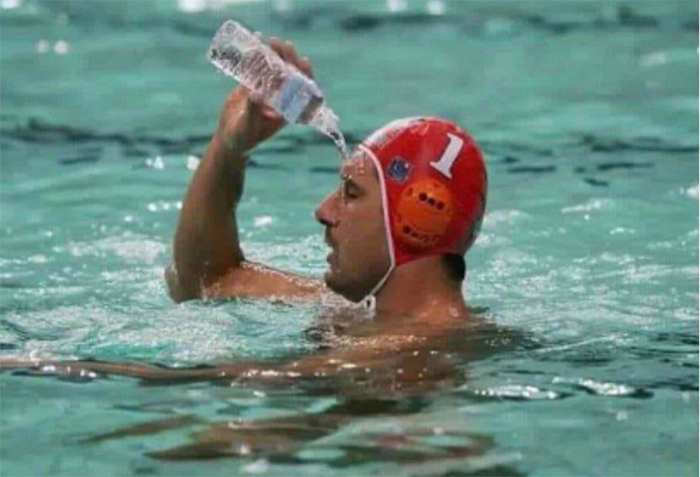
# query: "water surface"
[[587, 114]]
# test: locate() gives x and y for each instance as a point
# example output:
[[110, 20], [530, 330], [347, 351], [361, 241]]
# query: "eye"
[[349, 191]]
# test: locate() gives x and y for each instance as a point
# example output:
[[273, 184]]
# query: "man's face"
[[355, 231]]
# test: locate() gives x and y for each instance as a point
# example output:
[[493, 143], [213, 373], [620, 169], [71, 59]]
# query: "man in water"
[[409, 206]]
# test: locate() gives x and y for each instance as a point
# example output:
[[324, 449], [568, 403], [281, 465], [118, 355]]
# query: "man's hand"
[[245, 120], [207, 255]]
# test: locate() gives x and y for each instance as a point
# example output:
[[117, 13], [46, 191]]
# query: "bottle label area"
[[292, 98]]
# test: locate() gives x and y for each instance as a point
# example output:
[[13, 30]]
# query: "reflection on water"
[[386, 370], [395, 382]]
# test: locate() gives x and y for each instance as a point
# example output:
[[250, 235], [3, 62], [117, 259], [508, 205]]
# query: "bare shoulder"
[[255, 280]]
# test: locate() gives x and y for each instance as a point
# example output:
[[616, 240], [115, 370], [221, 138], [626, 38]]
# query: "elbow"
[[176, 291]]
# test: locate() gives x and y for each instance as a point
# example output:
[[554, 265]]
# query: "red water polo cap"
[[434, 186]]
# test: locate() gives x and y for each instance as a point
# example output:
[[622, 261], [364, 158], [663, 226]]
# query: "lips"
[[332, 256]]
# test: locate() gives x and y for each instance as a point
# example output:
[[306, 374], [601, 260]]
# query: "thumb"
[[256, 98]]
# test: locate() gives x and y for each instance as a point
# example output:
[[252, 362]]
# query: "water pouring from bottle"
[[330, 128], [238, 53]]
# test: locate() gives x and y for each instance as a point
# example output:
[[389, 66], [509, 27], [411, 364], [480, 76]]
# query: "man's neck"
[[421, 289]]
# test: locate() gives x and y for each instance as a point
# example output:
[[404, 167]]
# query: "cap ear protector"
[[423, 213]]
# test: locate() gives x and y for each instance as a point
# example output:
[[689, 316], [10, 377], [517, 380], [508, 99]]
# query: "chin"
[[336, 284], [332, 282]]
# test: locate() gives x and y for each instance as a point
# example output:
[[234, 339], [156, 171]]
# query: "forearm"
[[147, 372], [323, 364], [206, 241], [93, 369], [332, 363]]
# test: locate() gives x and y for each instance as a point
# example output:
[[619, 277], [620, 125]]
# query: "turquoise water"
[[588, 116]]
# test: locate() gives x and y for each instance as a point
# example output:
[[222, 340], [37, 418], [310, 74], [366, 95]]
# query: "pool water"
[[588, 117]]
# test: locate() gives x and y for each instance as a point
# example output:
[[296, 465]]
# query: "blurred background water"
[[588, 116]]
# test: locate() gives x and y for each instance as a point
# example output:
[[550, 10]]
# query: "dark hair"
[[455, 266]]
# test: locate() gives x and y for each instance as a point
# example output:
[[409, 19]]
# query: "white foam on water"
[[600, 388], [589, 206], [263, 221], [693, 192], [503, 216], [516, 391], [128, 247]]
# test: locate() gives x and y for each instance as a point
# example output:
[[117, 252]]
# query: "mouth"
[[331, 257]]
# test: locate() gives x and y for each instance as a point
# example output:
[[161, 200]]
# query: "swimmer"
[[409, 205]]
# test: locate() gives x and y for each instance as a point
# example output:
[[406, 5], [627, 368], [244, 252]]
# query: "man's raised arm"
[[208, 260]]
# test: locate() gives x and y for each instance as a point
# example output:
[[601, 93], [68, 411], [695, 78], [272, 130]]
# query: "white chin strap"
[[370, 301]]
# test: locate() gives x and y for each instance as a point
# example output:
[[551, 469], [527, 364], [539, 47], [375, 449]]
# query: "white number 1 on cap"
[[444, 165]]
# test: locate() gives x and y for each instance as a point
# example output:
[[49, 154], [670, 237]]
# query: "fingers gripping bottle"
[[238, 53]]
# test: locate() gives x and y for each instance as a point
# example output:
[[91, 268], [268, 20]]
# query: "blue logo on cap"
[[399, 169]]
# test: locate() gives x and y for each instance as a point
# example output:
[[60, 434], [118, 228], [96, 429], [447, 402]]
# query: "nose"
[[327, 211]]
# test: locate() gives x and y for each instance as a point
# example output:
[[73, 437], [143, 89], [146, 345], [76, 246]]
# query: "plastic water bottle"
[[238, 53]]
